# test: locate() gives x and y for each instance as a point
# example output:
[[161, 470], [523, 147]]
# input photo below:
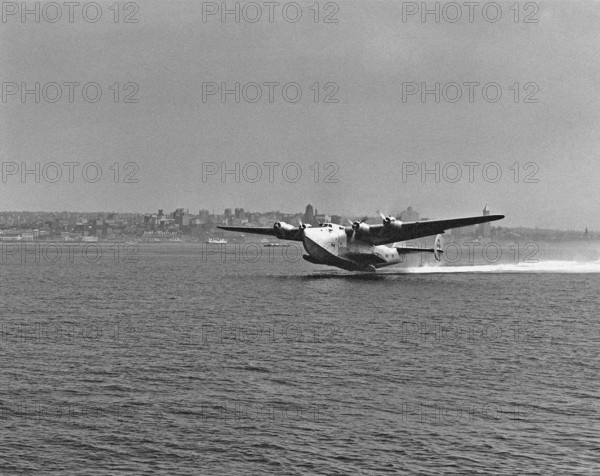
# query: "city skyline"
[[241, 216], [391, 112], [447, 205]]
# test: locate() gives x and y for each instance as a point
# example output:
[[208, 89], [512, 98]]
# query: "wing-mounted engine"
[[303, 226], [282, 226], [390, 222], [360, 230], [285, 231]]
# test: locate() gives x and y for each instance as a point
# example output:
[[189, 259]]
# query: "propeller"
[[389, 219], [284, 229], [303, 226], [358, 227], [356, 224]]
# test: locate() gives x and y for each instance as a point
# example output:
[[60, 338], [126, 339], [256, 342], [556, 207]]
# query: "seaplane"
[[361, 246]]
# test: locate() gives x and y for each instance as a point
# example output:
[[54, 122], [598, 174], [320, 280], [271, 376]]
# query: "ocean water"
[[178, 361]]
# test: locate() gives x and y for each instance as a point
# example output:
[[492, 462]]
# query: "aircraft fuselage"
[[329, 244]]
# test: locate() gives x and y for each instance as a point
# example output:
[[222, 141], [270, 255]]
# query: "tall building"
[[178, 216], [309, 215], [410, 215], [204, 216], [486, 227]]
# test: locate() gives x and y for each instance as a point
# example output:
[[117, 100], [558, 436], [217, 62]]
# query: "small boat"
[[217, 241]]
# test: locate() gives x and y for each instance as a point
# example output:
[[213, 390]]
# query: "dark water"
[[183, 365]]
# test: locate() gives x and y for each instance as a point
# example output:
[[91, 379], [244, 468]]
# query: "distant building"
[[485, 227], [204, 216], [410, 215], [178, 216], [309, 215]]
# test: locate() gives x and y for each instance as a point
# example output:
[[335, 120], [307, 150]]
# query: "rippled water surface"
[[187, 364]]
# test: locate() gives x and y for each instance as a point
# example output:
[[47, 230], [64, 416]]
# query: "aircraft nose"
[[311, 240], [311, 233]]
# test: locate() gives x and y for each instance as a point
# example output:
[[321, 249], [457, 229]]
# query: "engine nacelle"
[[283, 226], [360, 227], [392, 222], [285, 230], [304, 226]]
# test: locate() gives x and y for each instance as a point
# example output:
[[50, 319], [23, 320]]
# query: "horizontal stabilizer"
[[413, 249], [437, 250]]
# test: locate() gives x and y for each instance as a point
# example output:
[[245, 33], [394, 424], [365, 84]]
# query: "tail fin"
[[437, 247]]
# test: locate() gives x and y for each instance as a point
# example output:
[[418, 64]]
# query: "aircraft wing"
[[251, 229], [381, 234], [292, 234]]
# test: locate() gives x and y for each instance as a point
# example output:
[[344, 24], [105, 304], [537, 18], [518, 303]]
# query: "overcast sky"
[[371, 134]]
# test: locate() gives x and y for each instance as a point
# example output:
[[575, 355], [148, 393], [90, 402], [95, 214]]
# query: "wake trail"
[[553, 266]]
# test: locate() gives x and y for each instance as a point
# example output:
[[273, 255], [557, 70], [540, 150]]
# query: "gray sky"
[[369, 133]]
